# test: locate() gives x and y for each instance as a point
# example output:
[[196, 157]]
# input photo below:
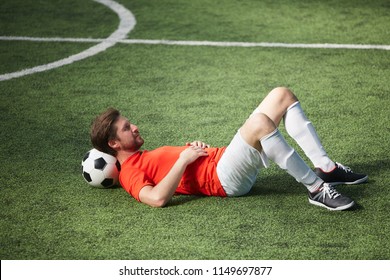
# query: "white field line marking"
[[126, 24], [260, 44], [202, 43]]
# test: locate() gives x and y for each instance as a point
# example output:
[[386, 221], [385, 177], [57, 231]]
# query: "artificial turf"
[[177, 94]]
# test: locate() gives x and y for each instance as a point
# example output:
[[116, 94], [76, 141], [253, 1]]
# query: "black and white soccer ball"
[[100, 169]]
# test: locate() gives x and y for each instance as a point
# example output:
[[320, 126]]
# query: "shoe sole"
[[340, 208], [362, 180]]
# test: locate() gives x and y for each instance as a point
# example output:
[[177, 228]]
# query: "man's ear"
[[113, 144]]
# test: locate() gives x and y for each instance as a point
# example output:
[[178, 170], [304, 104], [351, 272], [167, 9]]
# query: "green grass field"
[[181, 93]]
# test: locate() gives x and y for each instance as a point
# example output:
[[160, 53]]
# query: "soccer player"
[[153, 177]]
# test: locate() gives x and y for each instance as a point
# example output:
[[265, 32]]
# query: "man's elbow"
[[154, 198], [157, 202]]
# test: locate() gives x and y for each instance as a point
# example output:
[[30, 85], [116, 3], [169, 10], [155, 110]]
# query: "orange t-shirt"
[[148, 168]]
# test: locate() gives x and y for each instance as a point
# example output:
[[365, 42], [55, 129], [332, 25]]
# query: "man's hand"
[[192, 153], [198, 144]]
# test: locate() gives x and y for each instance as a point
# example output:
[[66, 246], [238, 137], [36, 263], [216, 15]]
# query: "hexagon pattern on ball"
[[100, 169]]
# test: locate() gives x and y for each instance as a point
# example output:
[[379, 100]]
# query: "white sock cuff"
[[269, 135], [293, 105]]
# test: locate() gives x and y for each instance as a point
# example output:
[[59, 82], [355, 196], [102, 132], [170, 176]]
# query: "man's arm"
[[159, 195]]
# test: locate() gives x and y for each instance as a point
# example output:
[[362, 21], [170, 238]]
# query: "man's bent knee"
[[284, 95], [256, 127], [261, 125]]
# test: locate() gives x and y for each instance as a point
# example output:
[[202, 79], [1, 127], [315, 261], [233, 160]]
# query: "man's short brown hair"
[[103, 130]]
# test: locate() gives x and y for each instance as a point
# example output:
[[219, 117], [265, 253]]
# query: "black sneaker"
[[341, 175], [329, 198]]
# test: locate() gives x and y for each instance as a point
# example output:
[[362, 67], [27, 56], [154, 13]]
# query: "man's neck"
[[123, 155]]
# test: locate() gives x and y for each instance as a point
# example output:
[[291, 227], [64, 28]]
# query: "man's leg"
[[302, 131], [282, 103], [260, 131]]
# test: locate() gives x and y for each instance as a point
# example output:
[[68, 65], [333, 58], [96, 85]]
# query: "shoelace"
[[330, 191], [345, 168]]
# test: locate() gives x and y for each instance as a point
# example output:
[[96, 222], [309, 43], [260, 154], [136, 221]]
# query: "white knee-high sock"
[[277, 149], [302, 131]]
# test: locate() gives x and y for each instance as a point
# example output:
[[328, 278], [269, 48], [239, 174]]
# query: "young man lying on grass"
[[153, 177]]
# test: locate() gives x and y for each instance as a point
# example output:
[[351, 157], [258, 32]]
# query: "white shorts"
[[239, 166]]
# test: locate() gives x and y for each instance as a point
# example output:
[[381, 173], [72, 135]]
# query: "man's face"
[[128, 137]]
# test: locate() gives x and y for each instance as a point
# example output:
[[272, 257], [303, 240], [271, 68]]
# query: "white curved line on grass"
[[203, 43], [127, 23]]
